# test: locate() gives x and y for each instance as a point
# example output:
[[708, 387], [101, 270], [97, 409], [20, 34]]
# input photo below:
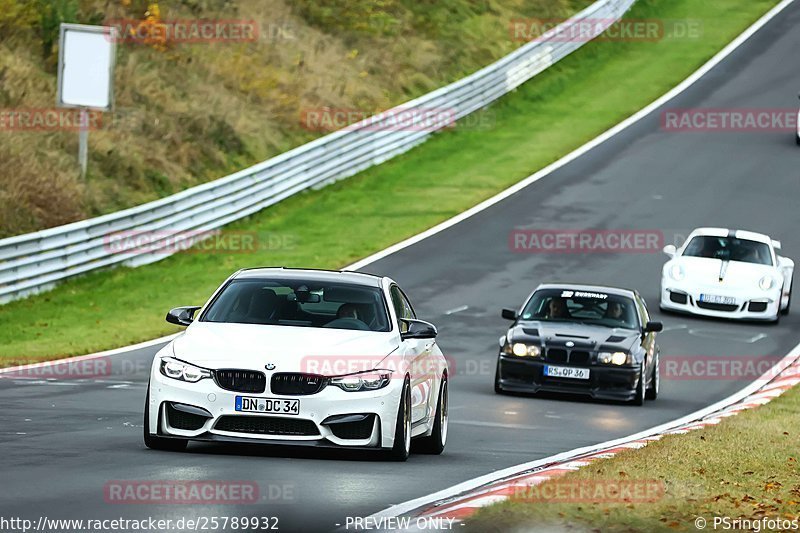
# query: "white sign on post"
[[86, 74]]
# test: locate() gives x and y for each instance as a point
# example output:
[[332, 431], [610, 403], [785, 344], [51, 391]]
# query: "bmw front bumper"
[[605, 382], [333, 417]]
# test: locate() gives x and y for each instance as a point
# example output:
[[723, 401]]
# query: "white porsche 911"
[[727, 274], [301, 357]]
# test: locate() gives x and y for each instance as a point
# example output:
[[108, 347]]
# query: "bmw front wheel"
[[159, 443], [402, 431]]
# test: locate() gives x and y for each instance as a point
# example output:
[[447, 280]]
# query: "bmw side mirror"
[[182, 316], [418, 329], [653, 327], [670, 250], [509, 314]]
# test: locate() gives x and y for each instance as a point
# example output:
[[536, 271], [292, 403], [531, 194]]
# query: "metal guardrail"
[[35, 261]]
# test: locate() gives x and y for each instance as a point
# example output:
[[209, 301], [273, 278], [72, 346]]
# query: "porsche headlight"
[[676, 272], [175, 369], [520, 349], [614, 358], [766, 283], [363, 381]]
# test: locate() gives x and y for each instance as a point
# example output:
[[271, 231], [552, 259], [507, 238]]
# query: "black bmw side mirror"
[[182, 316], [509, 314], [418, 329], [653, 327]]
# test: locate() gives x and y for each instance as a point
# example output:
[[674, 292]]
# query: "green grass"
[[556, 112], [745, 467]]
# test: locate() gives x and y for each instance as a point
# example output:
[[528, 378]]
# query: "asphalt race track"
[[64, 440]]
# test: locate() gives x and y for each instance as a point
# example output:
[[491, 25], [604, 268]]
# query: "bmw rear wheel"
[[434, 444]]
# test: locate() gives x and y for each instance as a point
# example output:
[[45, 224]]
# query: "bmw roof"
[[356, 278]]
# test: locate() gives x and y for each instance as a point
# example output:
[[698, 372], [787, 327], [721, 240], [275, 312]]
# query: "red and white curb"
[[460, 502]]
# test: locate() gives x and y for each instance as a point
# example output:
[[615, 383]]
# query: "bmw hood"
[[582, 336], [288, 348]]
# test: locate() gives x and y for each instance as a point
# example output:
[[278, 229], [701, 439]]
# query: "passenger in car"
[[614, 311]]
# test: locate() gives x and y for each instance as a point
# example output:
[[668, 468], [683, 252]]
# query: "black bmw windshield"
[[305, 303], [595, 308], [729, 249]]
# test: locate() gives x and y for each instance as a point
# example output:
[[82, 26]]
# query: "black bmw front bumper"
[[516, 374]]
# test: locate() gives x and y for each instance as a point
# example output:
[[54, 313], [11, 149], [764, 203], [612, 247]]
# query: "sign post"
[[83, 141], [86, 75]]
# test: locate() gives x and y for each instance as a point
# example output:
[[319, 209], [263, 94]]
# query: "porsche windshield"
[[595, 308], [305, 303], [729, 249]]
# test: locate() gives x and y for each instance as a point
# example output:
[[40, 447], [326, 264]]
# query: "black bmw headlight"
[[521, 349], [615, 358]]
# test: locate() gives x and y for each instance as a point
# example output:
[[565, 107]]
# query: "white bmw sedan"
[[301, 357], [727, 274]]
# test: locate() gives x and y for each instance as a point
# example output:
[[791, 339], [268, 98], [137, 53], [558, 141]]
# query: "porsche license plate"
[[715, 299]]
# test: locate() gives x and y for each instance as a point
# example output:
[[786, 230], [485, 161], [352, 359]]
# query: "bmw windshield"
[[304, 303], [584, 307]]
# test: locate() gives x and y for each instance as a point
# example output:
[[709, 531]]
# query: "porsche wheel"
[[788, 303]]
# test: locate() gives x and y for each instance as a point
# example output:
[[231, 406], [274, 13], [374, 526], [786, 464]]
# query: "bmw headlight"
[[176, 369], [676, 272], [363, 381], [614, 358], [520, 349], [766, 283]]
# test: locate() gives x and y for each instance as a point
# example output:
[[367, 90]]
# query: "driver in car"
[[347, 311], [557, 308]]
